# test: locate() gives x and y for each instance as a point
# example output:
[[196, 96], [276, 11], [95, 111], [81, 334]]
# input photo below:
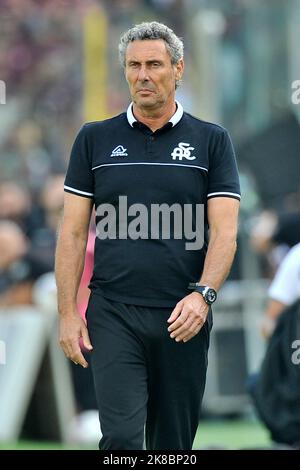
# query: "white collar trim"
[[174, 119], [130, 117], [177, 115]]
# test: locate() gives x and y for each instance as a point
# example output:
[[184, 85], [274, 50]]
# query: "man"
[[149, 333], [284, 290], [275, 389]]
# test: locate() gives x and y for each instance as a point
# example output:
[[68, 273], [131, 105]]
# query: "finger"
[[192, 333], [66, 345], [183, 328], [77, 356], [86, 339], [176, 311], [178, 323], [197, 324], [185, 312], [66, 348]]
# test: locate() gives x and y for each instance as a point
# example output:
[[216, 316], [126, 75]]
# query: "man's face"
[[150, 74]]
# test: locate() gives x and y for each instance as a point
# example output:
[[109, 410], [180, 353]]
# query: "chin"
[[147, 102]]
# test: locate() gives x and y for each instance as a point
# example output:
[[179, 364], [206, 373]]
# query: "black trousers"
[[148, 387]]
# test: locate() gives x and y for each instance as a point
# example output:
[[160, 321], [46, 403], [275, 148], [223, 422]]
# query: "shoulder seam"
[[202, 121]]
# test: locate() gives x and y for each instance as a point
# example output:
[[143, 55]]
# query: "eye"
[[133, 65]]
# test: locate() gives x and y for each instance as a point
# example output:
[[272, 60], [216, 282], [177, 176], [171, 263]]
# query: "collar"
[[174, 119]]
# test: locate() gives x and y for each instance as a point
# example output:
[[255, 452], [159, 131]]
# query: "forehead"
[[147, 50]]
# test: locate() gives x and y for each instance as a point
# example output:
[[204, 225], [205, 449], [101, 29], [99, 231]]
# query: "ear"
[[179, 68]]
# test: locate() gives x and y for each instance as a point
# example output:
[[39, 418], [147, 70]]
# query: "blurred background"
[[59, 68]]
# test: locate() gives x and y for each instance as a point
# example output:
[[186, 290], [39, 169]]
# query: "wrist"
[[198, 295], [208, 294], [69, 311]]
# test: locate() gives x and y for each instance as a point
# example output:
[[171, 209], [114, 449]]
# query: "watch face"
[[211, 296]]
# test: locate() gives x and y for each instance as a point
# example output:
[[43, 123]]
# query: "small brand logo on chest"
[[119, 151]]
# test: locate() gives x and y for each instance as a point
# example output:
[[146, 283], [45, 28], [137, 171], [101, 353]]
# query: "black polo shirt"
[[187, 161]]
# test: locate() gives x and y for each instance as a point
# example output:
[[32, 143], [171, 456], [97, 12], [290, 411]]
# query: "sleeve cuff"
[[224, 194], [78, 192]]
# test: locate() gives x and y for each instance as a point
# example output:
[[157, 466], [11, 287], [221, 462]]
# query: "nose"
[[143, 73]]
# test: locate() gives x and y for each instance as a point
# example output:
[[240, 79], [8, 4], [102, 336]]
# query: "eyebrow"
[[150, 61]]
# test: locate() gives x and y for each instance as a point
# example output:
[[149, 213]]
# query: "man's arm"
[[190, 313], [283, 291], [69, 263], [273, 311], [223, 222]]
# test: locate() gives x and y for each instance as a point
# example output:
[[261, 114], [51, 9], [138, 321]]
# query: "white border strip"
[[148, 163], [225, 194], [130, 117], [78, 191], [174, 119], [178, 114]]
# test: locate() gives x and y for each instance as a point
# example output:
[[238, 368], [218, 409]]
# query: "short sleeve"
[[223, 177], [79, 178], [285, 286]]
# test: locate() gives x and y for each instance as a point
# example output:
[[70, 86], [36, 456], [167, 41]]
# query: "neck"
[[155, 119]]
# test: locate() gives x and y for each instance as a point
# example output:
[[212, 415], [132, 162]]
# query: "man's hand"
[[267, 326], [72, 327], [188, 317]]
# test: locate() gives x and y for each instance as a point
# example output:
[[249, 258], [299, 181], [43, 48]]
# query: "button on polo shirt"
[[185, 162]]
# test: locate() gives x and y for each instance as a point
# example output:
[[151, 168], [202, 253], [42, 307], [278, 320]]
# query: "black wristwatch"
[[208, 293]]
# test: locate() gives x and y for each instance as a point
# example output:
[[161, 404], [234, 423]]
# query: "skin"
[[273, 311], [69, 262], [189, 315], [151, 78]]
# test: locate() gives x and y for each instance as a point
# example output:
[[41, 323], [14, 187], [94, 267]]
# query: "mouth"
[[145, 90]]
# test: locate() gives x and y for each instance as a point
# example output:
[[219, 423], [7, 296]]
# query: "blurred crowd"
[[41, 61], [27, 237]]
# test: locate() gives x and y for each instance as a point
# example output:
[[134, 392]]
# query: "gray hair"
[[152, 30]]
